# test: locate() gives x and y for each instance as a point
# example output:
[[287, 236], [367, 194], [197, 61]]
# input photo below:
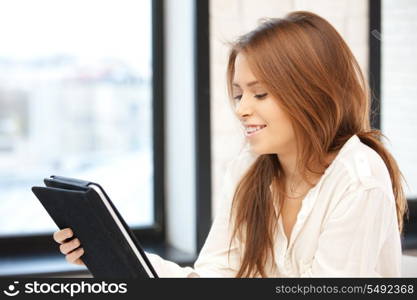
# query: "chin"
[[260, 151]]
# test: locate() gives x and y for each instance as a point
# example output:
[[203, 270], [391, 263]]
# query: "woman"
[[315, 193]]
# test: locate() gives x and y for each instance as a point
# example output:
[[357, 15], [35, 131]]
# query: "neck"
[[294, 180], [288, 163]]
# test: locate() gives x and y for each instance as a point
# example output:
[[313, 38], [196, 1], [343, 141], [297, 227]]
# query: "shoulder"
[[365, 166], [359, 185], [359, 168]]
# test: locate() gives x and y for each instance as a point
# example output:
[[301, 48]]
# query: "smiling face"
[[254, 105]]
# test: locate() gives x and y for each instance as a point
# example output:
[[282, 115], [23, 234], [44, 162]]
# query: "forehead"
[[243, 75]]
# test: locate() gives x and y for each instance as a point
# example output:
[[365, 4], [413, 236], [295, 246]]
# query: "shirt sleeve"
[[353, 235], [213, 260]]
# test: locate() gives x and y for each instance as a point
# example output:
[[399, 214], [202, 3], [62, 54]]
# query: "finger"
[[61, 235], [67, 247], [74, 255], [79, 261]]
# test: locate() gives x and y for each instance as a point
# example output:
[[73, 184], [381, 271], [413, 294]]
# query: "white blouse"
[[346, 227]]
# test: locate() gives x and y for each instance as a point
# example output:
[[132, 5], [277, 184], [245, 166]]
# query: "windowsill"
[[55, 265]]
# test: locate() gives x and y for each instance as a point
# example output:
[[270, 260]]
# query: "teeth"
[[253, 129]]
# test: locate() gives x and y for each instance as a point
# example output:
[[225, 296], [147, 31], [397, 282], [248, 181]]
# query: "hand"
[[70, 248]]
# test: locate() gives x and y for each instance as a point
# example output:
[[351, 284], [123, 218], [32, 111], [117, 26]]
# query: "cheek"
[[279, 133], [280, 130], [279, 122]]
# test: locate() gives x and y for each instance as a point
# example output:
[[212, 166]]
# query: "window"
[[78, 99], [393, 77], [399, 85]]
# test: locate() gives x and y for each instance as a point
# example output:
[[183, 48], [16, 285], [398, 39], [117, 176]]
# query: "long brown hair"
[[304, 63]]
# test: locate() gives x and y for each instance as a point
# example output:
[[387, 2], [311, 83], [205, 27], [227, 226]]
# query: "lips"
[[253, 129]]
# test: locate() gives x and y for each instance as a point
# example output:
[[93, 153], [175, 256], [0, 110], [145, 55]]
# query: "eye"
[[238, 97], [261, 96]]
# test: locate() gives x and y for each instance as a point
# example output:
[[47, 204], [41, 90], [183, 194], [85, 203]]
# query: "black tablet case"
[[72, 203]]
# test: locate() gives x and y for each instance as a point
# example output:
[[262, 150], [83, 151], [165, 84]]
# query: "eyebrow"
[[249, 84]]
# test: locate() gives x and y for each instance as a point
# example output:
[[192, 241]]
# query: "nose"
[[243, 107]]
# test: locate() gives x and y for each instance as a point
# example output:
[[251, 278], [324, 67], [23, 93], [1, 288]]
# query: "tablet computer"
[[111, 248]]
